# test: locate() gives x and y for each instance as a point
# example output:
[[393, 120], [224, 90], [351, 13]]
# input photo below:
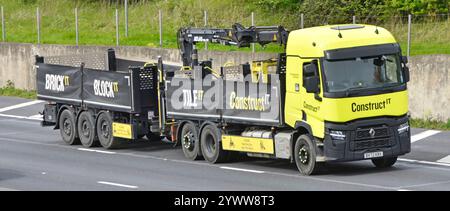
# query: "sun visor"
[[365, 51]]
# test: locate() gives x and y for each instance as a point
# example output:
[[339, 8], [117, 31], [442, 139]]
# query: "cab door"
[[304, 95], [312, 91]]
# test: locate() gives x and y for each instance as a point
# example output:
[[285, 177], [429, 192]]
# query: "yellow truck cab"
[[346, 87]]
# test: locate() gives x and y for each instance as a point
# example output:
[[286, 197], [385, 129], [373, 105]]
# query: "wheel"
[[384, 162], [67, 128], [305, 155], [190, 142], [86, 129], [104, 132], [210, 145]]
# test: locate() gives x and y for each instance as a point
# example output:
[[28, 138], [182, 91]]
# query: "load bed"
[[99, 81]]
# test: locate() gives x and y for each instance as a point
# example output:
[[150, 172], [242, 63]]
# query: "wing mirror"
[[406, 74], [404, 59]]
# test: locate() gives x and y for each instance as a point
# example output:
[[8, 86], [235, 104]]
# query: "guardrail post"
[[126, 18], [160, 29], [409, 36], [117, 28], [253, 24], [38, 25], [77, 33], [302, 21], [354, 19], [3, 25], [206, 25]]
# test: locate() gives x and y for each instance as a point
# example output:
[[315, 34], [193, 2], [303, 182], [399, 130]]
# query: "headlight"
[[403, 128], [337, 135]]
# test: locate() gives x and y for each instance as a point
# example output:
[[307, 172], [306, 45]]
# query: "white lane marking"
[[93, 150], [424, 162], [19, 117], [425, 184], [445, 160], [239, 169], [36, 117], [403, 190], [7, 189], [20, 105], [118, 184], [423, 135]]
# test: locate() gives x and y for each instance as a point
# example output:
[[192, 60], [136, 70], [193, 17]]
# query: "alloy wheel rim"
[[188, 141], [303, 155]]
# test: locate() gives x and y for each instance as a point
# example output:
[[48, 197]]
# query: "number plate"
[[373, 155]]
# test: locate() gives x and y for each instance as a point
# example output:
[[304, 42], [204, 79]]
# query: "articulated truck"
[[337, 93]]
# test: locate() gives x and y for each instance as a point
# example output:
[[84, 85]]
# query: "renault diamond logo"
[[372, 132]]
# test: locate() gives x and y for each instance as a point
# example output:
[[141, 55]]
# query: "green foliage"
[[10, 90], [430, 123], [419, 7], [271, 5]]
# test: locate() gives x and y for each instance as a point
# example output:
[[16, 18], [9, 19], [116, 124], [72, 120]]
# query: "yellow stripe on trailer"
[[121, 130], [247, 144]]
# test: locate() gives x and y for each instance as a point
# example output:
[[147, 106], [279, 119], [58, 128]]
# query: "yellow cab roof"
[[312, 42]]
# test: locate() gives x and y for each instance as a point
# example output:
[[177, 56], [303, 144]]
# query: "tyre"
[[190, 142], [68, 128], [211, 146], [305, 155], [86, 129], [104, 132], [384, 162]]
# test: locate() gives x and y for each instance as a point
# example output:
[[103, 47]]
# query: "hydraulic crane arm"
[[237, 36]]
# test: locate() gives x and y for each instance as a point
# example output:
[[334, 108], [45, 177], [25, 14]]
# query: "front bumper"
[[359, 141]]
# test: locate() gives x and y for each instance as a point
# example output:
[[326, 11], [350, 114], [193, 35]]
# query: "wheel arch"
[[301, 128]]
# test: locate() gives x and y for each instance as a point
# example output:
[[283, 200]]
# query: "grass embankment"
[[10, 90], [430, 124], [97, 23]]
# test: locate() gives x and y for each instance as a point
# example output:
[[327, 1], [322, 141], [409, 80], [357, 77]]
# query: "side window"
[[311, 79]]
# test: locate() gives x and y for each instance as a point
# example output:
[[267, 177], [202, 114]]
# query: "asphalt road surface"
[[35, 158]]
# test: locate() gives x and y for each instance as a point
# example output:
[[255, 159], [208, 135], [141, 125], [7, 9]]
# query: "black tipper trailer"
[[110, 99], [105, 88]]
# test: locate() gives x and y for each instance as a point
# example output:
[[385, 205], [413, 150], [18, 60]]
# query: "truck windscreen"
[[362, 73]]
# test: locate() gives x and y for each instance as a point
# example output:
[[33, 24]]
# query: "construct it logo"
[[105, 88], [56, 83]]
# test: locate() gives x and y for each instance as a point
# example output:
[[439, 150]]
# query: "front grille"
[[370, 144], [365, 133]]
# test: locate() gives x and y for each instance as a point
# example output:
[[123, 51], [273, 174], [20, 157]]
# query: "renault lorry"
[[337, 93]]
